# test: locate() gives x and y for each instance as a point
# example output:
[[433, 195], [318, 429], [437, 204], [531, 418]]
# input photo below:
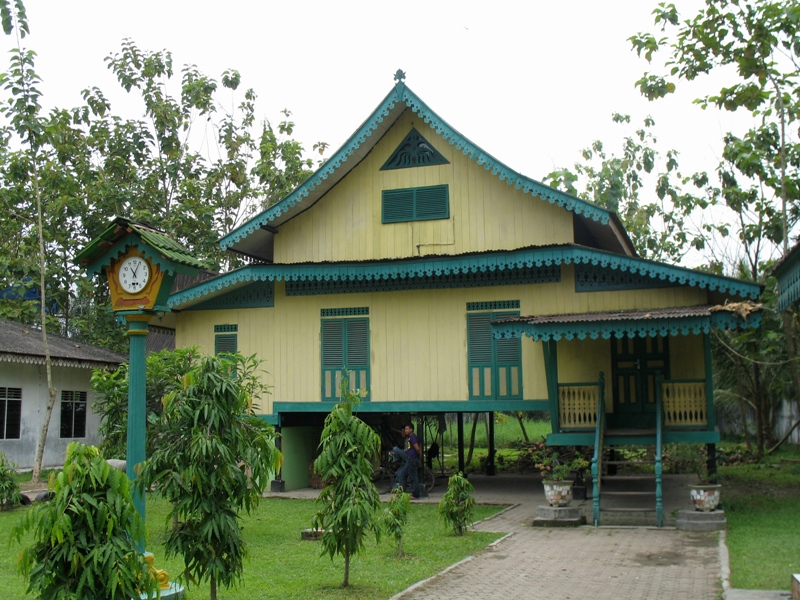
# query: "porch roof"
[[680, 320]]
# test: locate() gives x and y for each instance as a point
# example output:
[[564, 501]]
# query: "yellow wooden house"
[[443, 281]]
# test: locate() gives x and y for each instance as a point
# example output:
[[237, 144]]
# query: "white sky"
[[531, 82]]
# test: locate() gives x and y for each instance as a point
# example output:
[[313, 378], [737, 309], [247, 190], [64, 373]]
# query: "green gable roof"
[[162, 249], [249, 237]]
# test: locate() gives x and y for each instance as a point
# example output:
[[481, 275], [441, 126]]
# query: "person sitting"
[[410, 469]]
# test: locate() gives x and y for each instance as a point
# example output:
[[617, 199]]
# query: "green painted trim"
[[414, 151], [711, 411], [394, 103], [469, 263], [599, 329], [550, 352], [415, 406], [670, 437], [787, 272], [259, 294]]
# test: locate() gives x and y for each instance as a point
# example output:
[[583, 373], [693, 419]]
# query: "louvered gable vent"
[[415, 204]]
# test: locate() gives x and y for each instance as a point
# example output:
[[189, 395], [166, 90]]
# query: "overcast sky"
[[531, 82]]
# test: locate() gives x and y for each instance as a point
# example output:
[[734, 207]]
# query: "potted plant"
[[555, 468], [705, 494]]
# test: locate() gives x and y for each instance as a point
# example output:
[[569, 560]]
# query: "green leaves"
[[213, 459], [349, 502], [82, 537], [457, 504]]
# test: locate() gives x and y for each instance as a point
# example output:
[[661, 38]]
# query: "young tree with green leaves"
[[214, 459], [82, 538], [457, 505], [395, 517], [349, 503]]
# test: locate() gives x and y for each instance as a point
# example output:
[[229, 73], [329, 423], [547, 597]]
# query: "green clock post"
[[140, 264]]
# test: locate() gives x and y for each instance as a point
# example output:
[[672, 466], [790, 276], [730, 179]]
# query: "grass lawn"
[[283, 566], [762, 506]]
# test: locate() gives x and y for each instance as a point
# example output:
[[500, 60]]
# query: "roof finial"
[[399, 76]]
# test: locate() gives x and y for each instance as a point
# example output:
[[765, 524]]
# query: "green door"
[[635, 362]]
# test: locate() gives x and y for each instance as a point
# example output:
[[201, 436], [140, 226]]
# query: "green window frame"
[[415, 204], [225, 338], [494, 365], [344, 348]]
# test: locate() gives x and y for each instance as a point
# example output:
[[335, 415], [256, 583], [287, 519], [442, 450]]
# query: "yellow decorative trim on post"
[[685, 403]]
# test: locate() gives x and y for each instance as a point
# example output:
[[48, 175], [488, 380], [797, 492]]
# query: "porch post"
[[490, 466], [461, 443], [711, 412], [551, 377]]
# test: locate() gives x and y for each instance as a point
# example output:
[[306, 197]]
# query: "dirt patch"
[[660, 559]]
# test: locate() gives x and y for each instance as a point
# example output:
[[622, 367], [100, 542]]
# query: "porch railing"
[[577, 405], [685, 403]]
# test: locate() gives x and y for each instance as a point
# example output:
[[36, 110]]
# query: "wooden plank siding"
[[418, 339], [485, 213]]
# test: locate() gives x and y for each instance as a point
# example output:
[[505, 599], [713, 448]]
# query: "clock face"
[[134, 273]]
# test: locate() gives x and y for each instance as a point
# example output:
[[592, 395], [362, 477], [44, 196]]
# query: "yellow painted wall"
[[485, 213], [418, 339]]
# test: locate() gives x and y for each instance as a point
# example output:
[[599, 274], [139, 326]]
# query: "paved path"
[[614, 563]]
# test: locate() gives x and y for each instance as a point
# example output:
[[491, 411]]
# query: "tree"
[[82, 538], [754, 45], [458, 504], [395, 516], [214, 462], [665, 223], [164, 376], [348, 504]]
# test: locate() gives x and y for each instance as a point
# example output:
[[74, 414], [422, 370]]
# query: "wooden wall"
[[485, 213], [418, 339]]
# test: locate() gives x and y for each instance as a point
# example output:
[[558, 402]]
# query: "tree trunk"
[[784, 438], [522, 426], [346, 568], [760, 410], [51, 391], [213, 587], [472, 439]]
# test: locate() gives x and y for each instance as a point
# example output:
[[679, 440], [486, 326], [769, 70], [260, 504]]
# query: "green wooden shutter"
[[357, 331], [225, 343], [345, 347], [508, 363], [479, 337], [398, 206], [415, 204], [494, 366]]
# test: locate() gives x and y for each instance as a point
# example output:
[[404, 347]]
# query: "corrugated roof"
[[676, 312], [23, 343]]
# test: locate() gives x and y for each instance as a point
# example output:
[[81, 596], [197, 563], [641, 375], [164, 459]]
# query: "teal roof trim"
[[447, 265], [155, 255], [604, 329], [787, 272], [401, 94]]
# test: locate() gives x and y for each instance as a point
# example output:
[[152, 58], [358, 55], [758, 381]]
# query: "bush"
[[458, 504], [9, 488], [395, 516], [83, 538]]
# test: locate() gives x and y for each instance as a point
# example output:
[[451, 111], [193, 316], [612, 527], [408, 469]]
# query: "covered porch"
[[654, 385]]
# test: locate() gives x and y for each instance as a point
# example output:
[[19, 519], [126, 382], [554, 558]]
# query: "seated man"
[[410, 469]]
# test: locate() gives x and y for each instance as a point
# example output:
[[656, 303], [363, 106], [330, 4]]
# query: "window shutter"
[[480, 338], [357, 343], [509, 350], [225, 343], [432, 203], [333, 344], [398, 206]]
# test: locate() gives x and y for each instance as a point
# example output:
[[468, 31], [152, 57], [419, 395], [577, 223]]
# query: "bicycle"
[[386, 472]]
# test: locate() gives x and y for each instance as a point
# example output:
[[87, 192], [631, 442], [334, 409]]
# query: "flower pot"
[[705, 497], [558, 493]]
